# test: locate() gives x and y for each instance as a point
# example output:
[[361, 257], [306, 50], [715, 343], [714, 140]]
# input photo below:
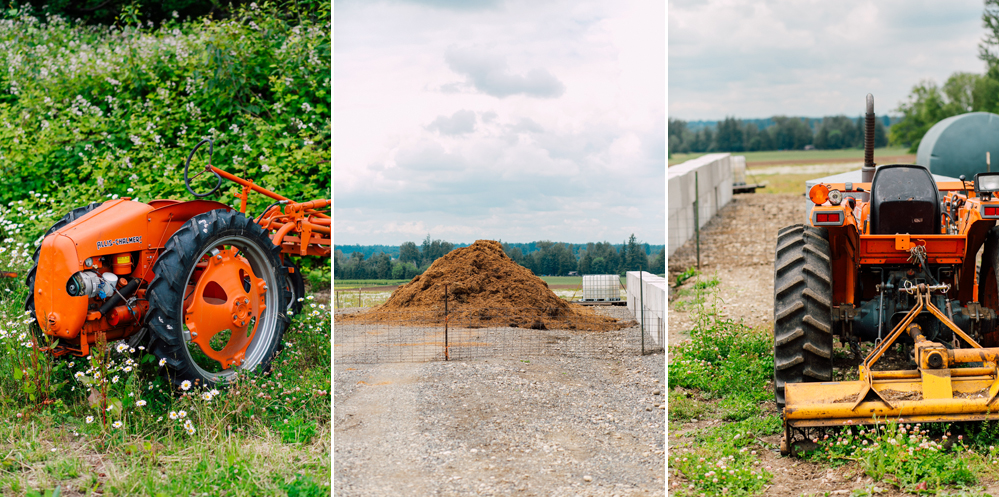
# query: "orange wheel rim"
[[227, 296]]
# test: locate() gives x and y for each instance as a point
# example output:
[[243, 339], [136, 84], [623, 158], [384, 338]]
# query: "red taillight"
[[990, 210], [830, 217]]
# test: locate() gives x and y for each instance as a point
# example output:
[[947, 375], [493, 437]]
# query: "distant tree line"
[[541, 257], [775, 133]]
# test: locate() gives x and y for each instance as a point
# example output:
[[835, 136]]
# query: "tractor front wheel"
[[216, 304], [803, 287]]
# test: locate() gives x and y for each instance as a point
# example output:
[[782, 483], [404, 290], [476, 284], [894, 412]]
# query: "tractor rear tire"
[[29, 303], [803, 287], [988, 283], [175, 273]]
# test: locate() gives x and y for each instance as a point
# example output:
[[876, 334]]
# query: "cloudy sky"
[[499, 119], [755, 59]]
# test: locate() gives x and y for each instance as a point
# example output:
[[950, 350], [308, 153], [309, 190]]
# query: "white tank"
[[601, 287]]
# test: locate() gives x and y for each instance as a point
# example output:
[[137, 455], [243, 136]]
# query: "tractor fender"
[[166, 218]]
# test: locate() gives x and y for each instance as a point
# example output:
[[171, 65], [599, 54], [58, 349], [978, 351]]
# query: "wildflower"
[[90, 419], [163, 361], [206, 396], [185, 385], [114, 379], [173, 415], [140, 403], [116, 424], [182, 414]]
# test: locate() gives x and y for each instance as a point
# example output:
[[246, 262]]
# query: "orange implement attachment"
[[937, 390], [302, 229]]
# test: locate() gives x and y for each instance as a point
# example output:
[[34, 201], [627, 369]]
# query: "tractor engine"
[[874, 318]]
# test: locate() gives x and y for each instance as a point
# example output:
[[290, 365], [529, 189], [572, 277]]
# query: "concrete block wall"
[[654, 301], [715, 185]]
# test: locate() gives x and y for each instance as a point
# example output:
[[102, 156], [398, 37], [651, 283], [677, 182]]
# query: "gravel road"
[[535, 425]]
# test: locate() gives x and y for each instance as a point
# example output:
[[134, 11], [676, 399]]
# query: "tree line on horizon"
[[775, 133], [542, 258]]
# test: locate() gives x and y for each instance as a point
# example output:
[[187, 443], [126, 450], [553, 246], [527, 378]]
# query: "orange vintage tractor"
[[206, 288], [890, 260]]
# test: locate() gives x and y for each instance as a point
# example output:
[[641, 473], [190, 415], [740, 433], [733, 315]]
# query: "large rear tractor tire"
[[803, 287], [217, 304], [29, 303], [988, 283]]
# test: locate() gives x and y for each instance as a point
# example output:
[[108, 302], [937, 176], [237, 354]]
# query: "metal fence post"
[[642, 318], [446, 322], [697, 227]]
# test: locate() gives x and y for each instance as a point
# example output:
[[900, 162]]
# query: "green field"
[[806, 156], [355, 284]]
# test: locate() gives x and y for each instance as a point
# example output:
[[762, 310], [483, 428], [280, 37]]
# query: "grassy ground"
[[266, 435], [723, 373], [785, 183], [805, 156]]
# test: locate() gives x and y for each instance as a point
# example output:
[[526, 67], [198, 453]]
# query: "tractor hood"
[[115, 227]]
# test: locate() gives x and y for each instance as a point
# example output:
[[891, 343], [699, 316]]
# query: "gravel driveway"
[[536, 425]]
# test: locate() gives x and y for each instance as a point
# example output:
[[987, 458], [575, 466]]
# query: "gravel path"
[[538, 425]]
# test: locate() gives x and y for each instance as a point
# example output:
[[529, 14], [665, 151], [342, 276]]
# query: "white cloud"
[[753, 59], [518, 120]]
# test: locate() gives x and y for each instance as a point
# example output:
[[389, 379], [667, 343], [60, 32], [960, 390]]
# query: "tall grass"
[[110, 422]]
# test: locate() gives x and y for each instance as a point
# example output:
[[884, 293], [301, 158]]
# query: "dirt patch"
[[484, 287], [972, 395], [894, 395]]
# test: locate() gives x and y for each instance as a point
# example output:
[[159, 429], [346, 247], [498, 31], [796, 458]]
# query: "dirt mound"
[[484, 288]]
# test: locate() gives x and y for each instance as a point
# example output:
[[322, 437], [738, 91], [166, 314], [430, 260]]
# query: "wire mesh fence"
[[428, 336], [653, 324]]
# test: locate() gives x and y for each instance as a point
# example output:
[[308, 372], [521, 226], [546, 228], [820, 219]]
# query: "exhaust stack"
[[868, 170]]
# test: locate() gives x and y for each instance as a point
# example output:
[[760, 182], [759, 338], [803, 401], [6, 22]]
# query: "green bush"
[[90, 112]]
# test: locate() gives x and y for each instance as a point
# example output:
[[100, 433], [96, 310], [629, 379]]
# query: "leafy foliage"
[[92, 111]]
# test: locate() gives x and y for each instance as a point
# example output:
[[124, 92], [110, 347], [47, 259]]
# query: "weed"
[[686, 275], [724, 460], [729, 361], [684, 408], [913, 457]]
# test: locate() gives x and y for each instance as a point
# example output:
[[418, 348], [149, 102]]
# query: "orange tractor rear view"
[[891, 260], [205, 288]]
